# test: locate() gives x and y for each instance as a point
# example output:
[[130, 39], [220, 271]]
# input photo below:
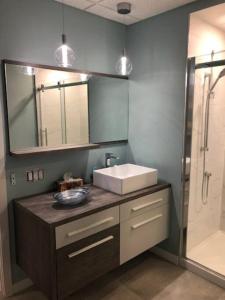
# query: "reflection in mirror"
[[46, 109], [50, 107], [21, 108], [108, 109], [62, 108]]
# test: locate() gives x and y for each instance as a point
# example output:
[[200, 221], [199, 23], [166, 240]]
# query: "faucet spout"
[[108, 158]]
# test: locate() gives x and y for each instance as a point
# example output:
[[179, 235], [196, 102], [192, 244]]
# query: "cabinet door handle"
[[85, 249], [72, 233], [136, 208], [146, 222]]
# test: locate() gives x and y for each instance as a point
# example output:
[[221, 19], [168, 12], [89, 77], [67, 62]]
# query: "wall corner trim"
[[174, 259], [21, 285]]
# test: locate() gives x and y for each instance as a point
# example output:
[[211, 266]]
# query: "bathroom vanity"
[[63, 249]]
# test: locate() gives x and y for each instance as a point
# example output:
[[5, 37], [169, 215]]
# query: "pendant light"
[[124, 66], [64, 55]]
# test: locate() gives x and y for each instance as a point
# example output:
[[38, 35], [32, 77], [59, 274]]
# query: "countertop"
[[46, 209]]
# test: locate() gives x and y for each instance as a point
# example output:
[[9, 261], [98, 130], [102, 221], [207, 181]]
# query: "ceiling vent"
[[124, 8]]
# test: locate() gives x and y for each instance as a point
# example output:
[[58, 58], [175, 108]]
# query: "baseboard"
[[21, 285], [174, 259], [203, 272]]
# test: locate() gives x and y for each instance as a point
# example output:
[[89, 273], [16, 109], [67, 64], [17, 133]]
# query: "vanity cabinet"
[[86, 249], [144, 223], [63, 249]]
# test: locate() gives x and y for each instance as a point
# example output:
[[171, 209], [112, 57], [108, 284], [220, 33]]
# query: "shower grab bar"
[[206, 131], [205, 148], [205, 191], [206, 175]]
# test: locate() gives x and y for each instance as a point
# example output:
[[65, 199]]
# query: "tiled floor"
[[210, 253], [144, 278]]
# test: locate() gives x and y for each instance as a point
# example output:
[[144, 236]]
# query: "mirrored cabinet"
[[53, 109]]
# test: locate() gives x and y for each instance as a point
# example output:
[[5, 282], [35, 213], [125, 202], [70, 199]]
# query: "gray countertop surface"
[[46, 209]]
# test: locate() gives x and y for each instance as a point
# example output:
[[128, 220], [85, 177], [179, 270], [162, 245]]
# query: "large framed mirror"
[[51, 108]]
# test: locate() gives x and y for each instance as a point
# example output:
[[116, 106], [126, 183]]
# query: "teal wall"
[[30, 31], [158, 50]]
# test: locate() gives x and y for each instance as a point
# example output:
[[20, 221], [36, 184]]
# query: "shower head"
[[222, 73]]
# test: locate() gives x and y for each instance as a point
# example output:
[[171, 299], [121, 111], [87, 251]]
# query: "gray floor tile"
[[222, 297], [144, 278], [190, 287], [30, 294]]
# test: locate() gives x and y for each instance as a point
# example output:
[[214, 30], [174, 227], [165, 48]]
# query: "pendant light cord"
[[63, 29]]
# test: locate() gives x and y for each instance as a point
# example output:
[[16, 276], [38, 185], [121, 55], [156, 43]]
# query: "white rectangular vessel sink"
[[125, 178]]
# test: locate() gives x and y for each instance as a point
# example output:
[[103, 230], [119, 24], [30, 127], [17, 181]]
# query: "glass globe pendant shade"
[[124, 66], [64, 55]]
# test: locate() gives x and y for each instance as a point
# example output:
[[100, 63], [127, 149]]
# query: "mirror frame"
[[38, 150]]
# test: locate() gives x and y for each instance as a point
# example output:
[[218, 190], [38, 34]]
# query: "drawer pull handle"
[[85, 249], [75, 232], [136, 208], [146, 222]]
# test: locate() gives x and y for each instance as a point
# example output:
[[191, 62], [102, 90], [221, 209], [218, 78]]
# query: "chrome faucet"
[[108, 157]]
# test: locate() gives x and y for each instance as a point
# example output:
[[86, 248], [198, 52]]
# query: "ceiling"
[[141, 9], [214, 15]]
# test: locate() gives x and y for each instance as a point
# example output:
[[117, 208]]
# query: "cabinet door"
[[87, 259], [143, 232]]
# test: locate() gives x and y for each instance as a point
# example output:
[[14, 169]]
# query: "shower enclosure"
[[204, 180]]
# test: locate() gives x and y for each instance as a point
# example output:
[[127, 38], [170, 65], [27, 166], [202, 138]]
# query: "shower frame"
[[185, 262]]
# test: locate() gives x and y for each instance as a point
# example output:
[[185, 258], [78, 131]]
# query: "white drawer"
[[79, 229], [143, 232], [143, 204]]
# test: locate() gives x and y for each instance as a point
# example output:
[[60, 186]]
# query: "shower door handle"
[[46, 136]]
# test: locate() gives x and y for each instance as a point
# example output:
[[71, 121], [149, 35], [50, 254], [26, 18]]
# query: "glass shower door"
[[205, 235], [50, 121]]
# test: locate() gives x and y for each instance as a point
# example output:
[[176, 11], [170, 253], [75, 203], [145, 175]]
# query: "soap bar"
[[71, 184]]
